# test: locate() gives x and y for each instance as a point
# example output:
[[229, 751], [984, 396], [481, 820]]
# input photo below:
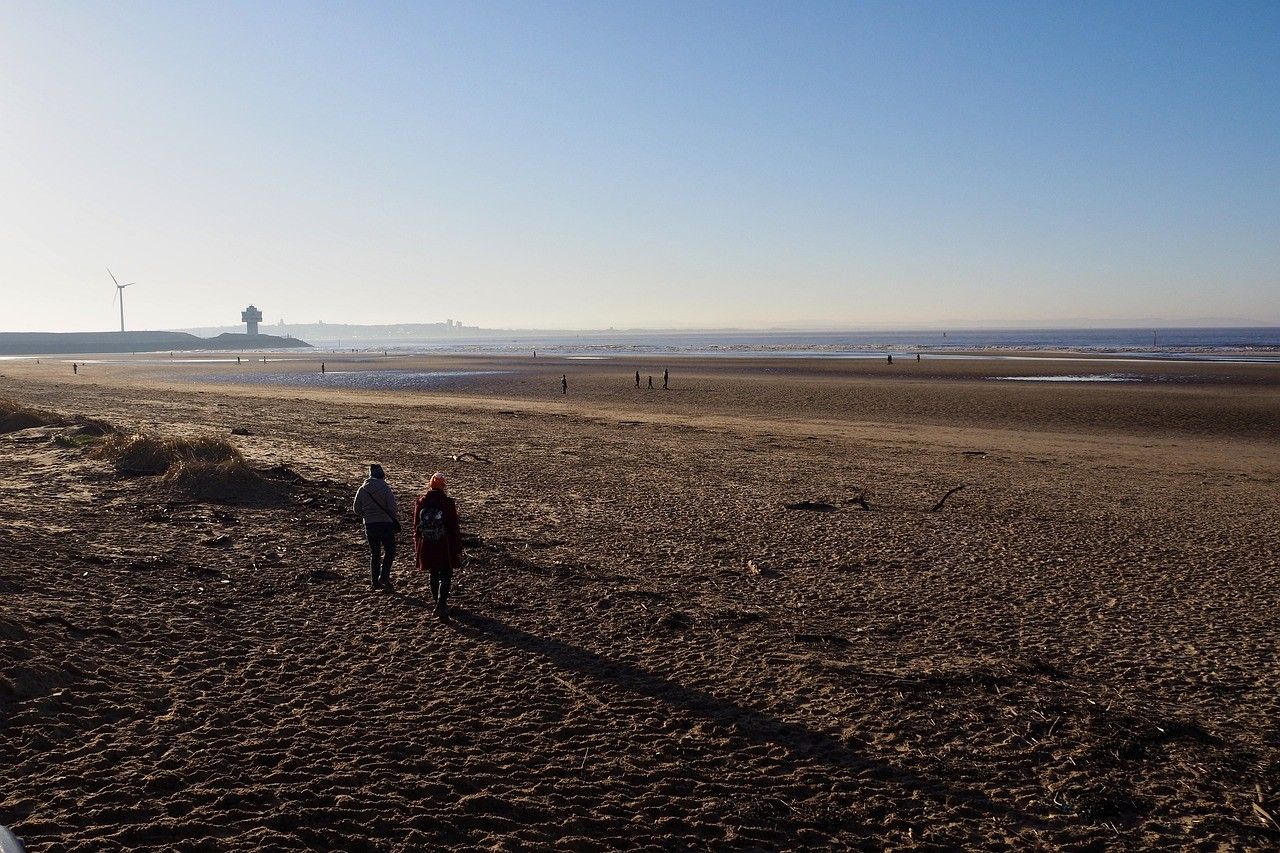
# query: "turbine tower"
[[119, 295]]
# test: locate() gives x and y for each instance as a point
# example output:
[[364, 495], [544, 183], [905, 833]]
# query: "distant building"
[[251, 317]]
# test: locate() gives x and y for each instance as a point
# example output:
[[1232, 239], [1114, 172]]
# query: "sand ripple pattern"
[[650, 653]]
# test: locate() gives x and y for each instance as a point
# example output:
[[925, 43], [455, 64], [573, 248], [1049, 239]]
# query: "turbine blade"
[[113, 276]]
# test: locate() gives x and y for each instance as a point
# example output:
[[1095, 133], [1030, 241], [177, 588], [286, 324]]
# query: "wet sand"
[[651, 651]]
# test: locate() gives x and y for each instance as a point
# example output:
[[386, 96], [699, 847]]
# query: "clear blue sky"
[[640, 164]]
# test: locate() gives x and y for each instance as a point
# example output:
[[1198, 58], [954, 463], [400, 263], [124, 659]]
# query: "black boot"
[[442, 604]]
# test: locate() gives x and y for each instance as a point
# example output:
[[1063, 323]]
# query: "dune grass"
[[136, 453], [201, 461], [15, 416]]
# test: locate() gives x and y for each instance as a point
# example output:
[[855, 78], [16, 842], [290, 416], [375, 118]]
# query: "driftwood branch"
[[943, 499], [475, 457], [861, 500]]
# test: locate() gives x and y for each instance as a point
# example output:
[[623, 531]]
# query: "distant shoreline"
[[1223, 355], [1176, 344], [89, 343], [1164, 341]]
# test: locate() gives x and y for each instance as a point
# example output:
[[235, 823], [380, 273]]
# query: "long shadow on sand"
[[804, 746]]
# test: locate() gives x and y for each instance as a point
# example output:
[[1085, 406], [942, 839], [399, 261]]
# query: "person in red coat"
[[437, 540]]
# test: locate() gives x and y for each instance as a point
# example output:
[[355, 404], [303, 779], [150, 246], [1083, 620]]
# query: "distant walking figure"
[[891, 358], [666, 375], [437, 540], [376, 504], [322, 367], [651, 382], [917, 356], [237, 359], [637, 379], [564, 384], [75, 368]]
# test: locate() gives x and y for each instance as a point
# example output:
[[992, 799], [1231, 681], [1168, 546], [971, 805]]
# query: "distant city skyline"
[[905, 165], [1154, 324]]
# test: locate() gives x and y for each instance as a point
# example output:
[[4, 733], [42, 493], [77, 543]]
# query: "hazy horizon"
[[1131, 324], [581, 166], [1136, 323]]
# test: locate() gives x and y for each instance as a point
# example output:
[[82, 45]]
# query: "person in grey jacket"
[[376, 504]]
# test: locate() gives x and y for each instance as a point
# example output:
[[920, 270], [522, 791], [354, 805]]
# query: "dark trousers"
[[382, 549], [441, 580]]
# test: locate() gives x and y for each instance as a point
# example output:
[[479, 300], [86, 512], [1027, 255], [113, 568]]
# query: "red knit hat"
[[437, 482]]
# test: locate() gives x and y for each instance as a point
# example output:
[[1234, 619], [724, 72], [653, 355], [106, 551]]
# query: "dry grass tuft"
[[136, 453], [203, 448], [202, 474], [15, 416], [191, 462], [205, 467], [207, 462]]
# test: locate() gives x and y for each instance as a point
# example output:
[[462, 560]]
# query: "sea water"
[[368, 380], [1081, 377], [1234, 344]]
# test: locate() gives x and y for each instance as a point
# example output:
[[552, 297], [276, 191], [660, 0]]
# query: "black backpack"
[[431, 524]]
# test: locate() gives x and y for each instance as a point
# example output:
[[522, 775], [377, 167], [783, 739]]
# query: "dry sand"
[[1078, 650]]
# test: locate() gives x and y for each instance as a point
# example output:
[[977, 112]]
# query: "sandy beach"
[[650, 650]]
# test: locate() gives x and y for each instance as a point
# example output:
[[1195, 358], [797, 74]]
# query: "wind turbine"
[[119, 295]]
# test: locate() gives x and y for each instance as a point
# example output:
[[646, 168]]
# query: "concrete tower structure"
[[251, 317]]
